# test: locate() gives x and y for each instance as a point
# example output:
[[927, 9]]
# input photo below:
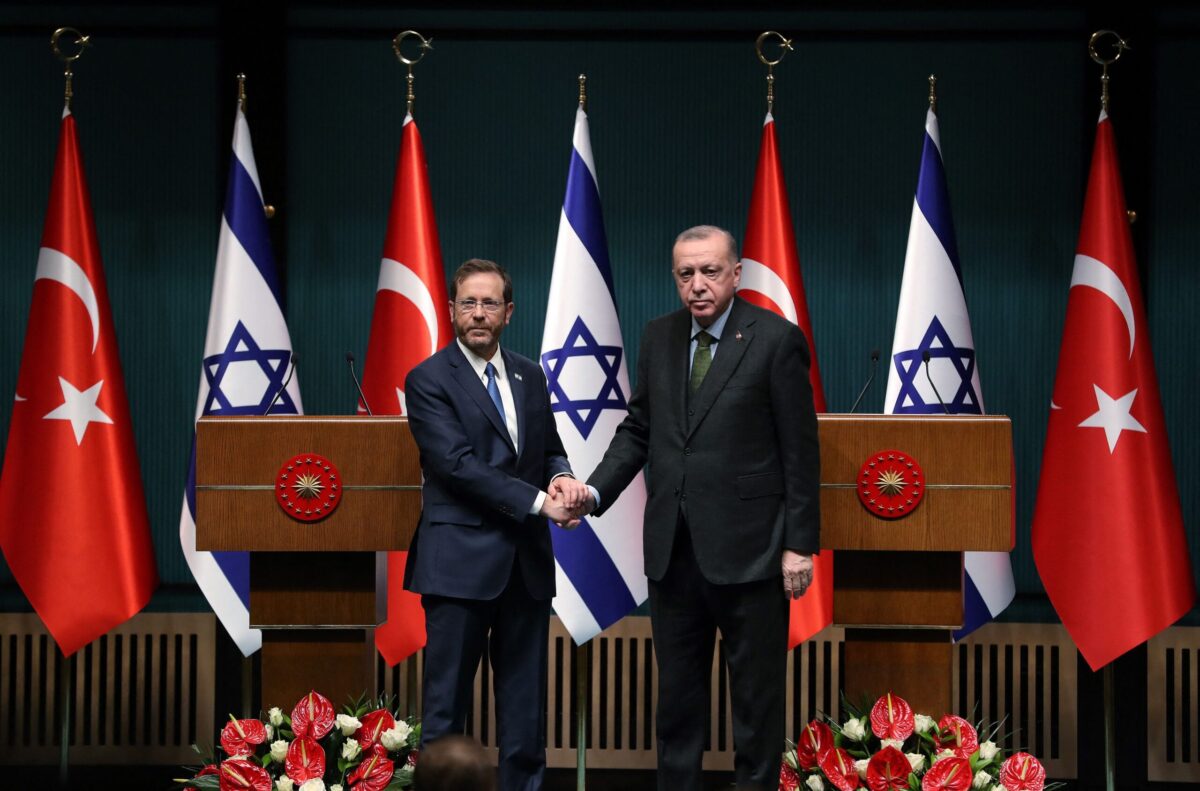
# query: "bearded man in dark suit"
[[495, 470], [722, 420]]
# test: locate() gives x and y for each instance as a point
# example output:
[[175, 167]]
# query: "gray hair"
[[698, 232]]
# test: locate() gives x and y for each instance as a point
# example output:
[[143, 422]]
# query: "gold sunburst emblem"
[[308, 486], [890, 482]]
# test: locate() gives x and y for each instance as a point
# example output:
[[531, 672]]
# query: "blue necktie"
[[494, 390]]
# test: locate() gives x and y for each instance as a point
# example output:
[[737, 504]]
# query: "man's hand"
[[554, 509], [574, 494], [797, 573]]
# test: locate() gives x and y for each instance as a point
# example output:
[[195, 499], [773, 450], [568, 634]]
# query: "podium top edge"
[[874, 416]]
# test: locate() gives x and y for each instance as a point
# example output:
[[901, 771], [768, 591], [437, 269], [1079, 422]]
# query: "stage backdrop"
[[676, 103]]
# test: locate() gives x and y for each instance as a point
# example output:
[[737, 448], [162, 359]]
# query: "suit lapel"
[[678, 342], [517, 385], [464, 374], [736, 338]]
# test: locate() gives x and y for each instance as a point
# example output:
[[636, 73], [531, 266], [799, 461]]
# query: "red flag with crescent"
[[411, 321], [73, 522], [1108, 535], [771, 279]]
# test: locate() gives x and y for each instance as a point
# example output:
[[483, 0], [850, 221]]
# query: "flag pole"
[[1110, 715], [66, 664], [582, 671]]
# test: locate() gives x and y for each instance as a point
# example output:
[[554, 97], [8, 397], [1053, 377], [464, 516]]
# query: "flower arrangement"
[[892, 749], [365, 748]]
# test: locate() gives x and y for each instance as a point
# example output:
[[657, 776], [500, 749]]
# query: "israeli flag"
[[247, 352], [598, 566], [932, 317]]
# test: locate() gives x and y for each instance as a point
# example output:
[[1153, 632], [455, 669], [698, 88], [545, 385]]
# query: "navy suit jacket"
[[475, 521]]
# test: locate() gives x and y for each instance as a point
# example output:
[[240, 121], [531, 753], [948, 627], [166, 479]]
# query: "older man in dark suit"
[[722, 420], [495, 470]]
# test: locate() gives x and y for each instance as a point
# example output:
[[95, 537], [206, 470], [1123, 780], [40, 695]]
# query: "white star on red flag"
[[79, 407], [1113, 416]]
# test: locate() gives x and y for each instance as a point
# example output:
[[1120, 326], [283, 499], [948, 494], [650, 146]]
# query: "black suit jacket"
[[739, 457], [475, 522]]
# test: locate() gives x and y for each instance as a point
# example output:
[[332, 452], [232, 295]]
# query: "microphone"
[[354, 376], [871, 378], [925, 359], [294, 359]]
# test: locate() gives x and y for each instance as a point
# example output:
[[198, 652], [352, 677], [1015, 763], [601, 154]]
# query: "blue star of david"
[[243, 348], [908, 365], [584, 412]]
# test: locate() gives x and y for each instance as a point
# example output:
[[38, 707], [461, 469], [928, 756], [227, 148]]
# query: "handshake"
[[567, 500]]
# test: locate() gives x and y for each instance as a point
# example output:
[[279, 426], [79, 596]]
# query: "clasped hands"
[[568, 499]]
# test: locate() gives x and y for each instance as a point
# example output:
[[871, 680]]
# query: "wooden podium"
[[898, 583], [312, 584]]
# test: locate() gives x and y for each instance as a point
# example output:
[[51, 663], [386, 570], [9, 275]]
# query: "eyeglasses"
[[469, 305]]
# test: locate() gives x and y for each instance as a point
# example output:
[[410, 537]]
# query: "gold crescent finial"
[[785, 46], [425, 45], [1120, 45], [82, 42]]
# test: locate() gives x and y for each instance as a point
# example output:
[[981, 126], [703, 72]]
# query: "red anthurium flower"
[[412, 758], [374, 773], [305, 760], [892, 718], [313, 716], [948, 774], [789, 780], [211, 769], [888, 770], [374, 724], [815, 740], [240, 737], [955, 733], [838, 766], [1022, 772], [238, 774]]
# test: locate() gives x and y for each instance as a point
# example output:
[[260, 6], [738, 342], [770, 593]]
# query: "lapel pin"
[[517, 376], [738, 336]]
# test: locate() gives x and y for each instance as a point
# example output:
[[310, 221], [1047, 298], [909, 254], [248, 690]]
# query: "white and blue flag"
[[598, 566], [247, 352], [932, 317]]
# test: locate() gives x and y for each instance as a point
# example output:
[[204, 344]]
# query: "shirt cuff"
[[595, 494], [538, 501]]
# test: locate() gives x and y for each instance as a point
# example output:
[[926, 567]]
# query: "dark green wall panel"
[[676, 104]]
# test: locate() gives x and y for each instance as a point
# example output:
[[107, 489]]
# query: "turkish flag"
[[1108, 534], [73, 522], [411, 321], [771, 279]]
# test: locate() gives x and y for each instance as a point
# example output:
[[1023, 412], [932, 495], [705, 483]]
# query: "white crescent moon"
[[1096, 274], [395, 276], [762, 279], [53, 265]]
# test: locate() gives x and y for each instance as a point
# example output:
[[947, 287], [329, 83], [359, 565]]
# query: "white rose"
[[397, 737], [923, 723], [947, 753], [981, 780], [284, 783], [861, 767], [988, 751], [916, 761], [854, 730], [316, 784], [279, 751], [897, 743], [348, 724], [350, 750], [815, 783], [275, 716]]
